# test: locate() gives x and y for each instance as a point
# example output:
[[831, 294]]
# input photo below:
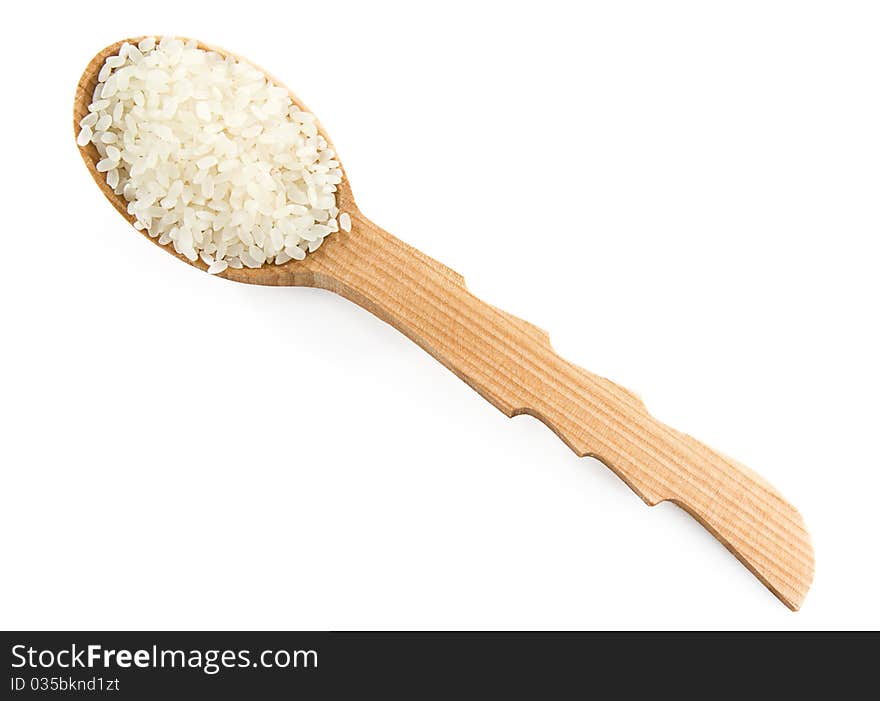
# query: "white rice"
[[212, 157]]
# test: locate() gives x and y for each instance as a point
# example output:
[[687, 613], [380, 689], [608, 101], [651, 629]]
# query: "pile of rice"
[[211, 156]]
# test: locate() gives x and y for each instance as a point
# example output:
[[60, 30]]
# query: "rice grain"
[[211, 156]]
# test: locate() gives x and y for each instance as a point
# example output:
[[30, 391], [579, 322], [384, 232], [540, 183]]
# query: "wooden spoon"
[[512, 364]]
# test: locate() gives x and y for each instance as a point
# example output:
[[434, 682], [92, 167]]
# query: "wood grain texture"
[[512, 364]]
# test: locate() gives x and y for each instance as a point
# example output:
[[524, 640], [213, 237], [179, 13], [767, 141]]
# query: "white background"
[[685, 194]]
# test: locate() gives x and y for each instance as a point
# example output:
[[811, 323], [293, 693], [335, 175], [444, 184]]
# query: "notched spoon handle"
[[512, 364]]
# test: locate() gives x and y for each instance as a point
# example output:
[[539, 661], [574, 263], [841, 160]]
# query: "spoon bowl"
[[292, 273], [512, 364]]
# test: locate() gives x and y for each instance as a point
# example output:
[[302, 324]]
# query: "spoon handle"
[[512, 364]]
